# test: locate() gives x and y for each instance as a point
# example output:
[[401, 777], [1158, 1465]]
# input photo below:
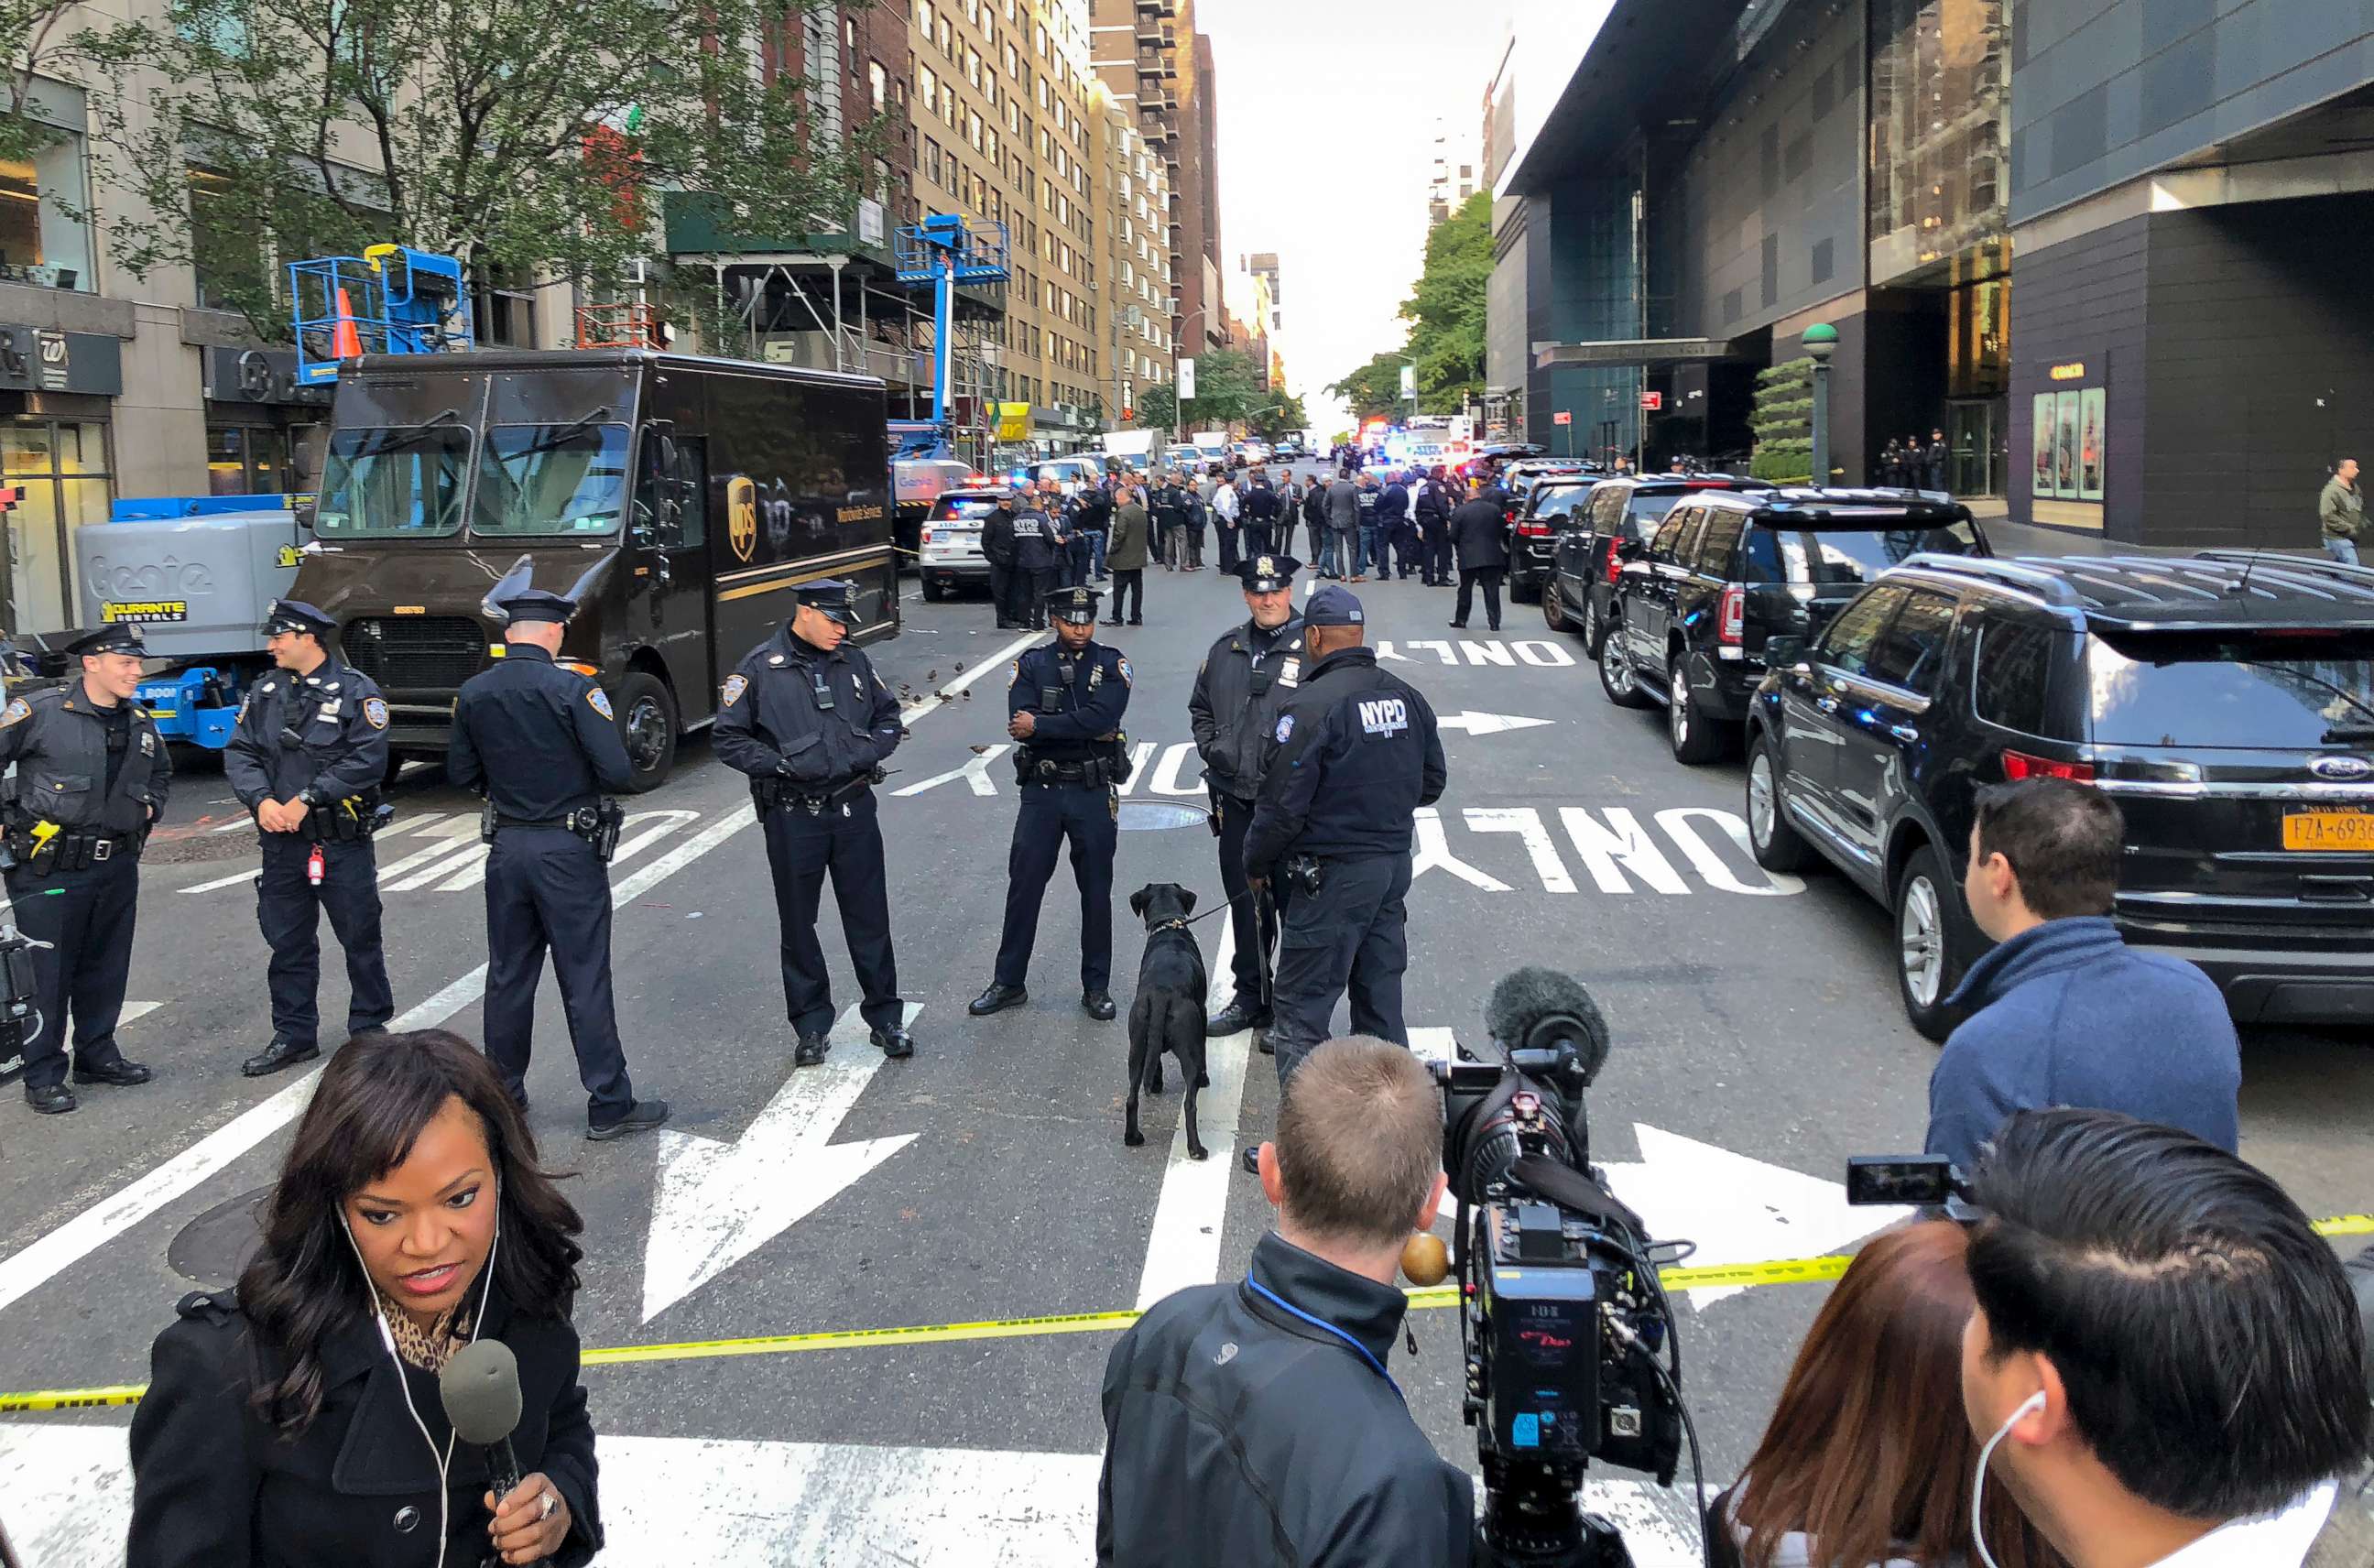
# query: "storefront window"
[[1940, 132], [246, 460], [61, 465]]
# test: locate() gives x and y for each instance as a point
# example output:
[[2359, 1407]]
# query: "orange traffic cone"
[[346, 341]]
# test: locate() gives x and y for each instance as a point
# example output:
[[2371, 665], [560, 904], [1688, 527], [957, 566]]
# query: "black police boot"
[[810, 1051], [1097, 1005], [49, 1099], [119, 1073], [282, 1053], [894, 1042], [643, 1117], [996, 998], [1238, 1015]]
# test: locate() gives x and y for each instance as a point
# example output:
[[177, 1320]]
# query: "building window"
[[506, 311], [61, 468], [42, 241], [225, 251], [878, 85], [246, 460]]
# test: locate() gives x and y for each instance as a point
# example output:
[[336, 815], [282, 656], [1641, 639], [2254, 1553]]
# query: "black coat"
[[341, 720], [1479, 531], [997, 536], [1353, 755], [1245, 679], [770, 726], [59, 744], [1237, 1433], [212, 1486]]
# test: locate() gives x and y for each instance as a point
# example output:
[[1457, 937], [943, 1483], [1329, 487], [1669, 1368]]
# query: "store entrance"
[[1977, 432]]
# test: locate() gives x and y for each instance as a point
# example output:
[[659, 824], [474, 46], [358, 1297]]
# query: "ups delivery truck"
[[681, 499]]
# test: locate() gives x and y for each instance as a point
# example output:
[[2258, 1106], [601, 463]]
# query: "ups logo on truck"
[[742, 516]]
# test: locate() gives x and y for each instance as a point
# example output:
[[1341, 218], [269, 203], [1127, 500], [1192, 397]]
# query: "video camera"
[[20, 1018], [1565, 1332]]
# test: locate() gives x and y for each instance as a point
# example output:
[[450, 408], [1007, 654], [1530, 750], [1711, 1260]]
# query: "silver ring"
[[550, 1502]]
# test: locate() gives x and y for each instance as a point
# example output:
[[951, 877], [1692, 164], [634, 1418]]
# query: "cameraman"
[[2166, 1362], [1256, 1422]]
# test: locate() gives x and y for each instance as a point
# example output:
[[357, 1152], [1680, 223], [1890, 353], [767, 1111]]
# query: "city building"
[[1136, 185], [2103, 245], [1263, 266], [1250, 308], [1455, 174], [1156, 66]]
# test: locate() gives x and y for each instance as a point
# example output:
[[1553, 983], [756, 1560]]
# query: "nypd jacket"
[[59, 744], [537, 740], [1034, 541], [1076, 699], [215, 1486], [1236, 1433], [1353, 754], [1246, 678], [340, 722], [772, 722]]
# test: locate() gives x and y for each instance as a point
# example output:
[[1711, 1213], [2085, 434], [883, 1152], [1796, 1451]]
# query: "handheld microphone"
[[481, 1392], [1534, 1008]]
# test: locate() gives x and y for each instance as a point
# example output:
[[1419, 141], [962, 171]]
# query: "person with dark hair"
[[1256, 1422], [2061, 1011], [1867, 1460], [2165, 1365], [297, 1420]]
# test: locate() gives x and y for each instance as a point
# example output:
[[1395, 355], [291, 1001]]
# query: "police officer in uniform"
[[1064, 706], [307, 761], [540, 743], [1355, 754], [1246, 676], [807, 718], [92, 778], [1038, 558]]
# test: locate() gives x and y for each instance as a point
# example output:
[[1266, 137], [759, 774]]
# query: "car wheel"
[[1617, 676], [1694, 740], [1778, 846], [933, 591], [1595, 629], [1553, 614], [1928, 959], [647, 722]]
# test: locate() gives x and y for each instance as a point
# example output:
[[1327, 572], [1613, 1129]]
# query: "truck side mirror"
[[1784, 652]]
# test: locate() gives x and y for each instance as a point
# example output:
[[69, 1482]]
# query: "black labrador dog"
[[1167, 1014]]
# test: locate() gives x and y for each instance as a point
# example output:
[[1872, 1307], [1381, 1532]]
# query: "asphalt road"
[[1758, 1043]]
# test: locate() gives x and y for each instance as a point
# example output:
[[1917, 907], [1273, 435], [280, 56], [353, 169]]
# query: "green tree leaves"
[[1445, 310]]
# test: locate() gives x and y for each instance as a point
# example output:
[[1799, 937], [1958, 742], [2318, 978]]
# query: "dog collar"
[[1174, 923]]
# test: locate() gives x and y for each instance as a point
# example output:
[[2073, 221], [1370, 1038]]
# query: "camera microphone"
[[481, 1393], [1534, 1008]]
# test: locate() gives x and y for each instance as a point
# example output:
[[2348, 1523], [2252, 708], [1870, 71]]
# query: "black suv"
[[1690, 611], [2226, 700], [1535, 526], [1586, 544]]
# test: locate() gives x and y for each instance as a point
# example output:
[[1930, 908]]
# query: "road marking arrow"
[[1736, 1209], [718, 1203], [1489, 724]]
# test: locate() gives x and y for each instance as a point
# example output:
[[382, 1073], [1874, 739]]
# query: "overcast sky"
[[1326, 129]]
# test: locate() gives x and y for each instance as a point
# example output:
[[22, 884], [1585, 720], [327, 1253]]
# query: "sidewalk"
[[2021, 538]]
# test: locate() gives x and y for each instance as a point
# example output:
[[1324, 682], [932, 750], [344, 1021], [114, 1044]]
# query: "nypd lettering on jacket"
[[1354, 755], [1385, 715]]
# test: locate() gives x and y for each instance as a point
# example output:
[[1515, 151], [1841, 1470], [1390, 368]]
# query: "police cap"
[[1332, 606], [1268, 573], [296, 615], [121, 637], [534, 603], [829, 597], [1077, 606]]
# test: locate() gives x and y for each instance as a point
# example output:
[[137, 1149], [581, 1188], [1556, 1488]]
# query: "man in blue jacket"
[[2061, 1011]]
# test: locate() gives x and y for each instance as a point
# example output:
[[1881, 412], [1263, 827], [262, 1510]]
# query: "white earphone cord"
[[2034, 1401], [443, 1458]]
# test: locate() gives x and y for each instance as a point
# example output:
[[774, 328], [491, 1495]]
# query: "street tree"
[[529, 139], [1287, 413], [1228, 390], [1444, 341], [1375, 389], [33, 35]]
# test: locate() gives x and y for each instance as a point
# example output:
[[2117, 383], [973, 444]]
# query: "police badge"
[[601, 703]]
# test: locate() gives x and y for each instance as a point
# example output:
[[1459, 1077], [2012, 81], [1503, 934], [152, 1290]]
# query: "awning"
[[1634, 351]]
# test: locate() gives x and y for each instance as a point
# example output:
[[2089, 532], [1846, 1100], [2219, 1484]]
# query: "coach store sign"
[[43, 358]]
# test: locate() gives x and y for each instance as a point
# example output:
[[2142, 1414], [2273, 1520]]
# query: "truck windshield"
[[395, 481], [551, 479]]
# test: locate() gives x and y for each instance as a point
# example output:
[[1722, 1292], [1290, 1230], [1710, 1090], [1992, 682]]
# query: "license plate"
[[2345, 831]]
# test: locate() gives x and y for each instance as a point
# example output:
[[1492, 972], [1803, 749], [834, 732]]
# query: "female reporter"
[[299, 1422], [1868, 1459]]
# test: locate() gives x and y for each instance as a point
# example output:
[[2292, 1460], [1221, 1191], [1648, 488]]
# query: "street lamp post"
[[1821, 341]]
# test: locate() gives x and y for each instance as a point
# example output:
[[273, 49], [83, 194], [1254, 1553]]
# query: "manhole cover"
[[214, 1247], [1151, 816]]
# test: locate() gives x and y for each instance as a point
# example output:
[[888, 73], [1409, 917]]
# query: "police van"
[[682, 499]]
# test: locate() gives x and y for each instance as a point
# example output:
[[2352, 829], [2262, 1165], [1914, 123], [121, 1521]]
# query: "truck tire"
[[647, 722]]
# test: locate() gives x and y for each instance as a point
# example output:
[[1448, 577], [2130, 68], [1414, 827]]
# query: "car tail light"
[[1732, 626], [2020, 765], [1534, 528], [1615, 564]]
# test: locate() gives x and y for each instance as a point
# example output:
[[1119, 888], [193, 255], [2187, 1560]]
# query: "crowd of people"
[[1432, 524]]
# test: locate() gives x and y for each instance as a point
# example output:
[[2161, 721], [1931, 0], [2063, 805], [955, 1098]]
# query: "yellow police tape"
[[1781, 1271]]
